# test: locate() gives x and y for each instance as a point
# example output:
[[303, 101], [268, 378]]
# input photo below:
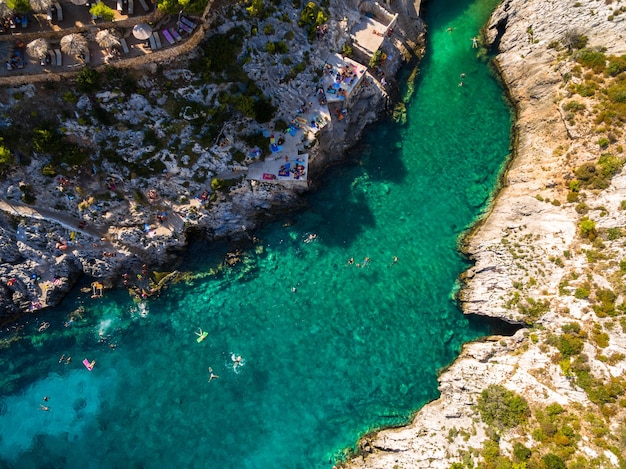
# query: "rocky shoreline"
[[104, 220], [545, 255]]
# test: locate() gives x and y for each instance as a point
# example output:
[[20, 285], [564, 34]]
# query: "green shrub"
[[582, 293], [376, 59], [268, 29], [100, 10], [610, 165], [311, 17], [603, 142], [552, 461], [614, 233], [19, 6], [616, 65], [521, 452], [569, 345], [592, 59], [88, 80], [502, 408], [588, 228], [586, 89], [574, 106]]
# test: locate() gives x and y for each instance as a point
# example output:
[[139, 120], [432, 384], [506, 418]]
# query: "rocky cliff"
[[550, 255], [158, 165]]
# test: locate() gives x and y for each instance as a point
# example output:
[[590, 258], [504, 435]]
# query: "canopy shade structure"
[[38, 48], [142, 31], [73, 44], [39, 6], [5, 10], [107, 39]]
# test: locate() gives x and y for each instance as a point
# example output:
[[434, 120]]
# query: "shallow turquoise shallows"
[[329, 350]]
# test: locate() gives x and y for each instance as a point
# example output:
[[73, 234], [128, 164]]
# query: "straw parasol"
[[73, 44], [5, 10], [107, 39], [38, 48], [142, 31], [39, 6]]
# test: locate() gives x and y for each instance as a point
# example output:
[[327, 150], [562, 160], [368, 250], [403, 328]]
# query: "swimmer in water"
[[212, 375], [44, 408], [237, 361]]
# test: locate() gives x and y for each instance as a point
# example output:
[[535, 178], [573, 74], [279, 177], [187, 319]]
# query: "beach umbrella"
[[107, 39], [38, 48], [5, 10], [73, 44], [79, 2], [142, 31], [6, 50], [39, 6]]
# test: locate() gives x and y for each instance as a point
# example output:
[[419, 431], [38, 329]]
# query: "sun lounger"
[[49, 14], [157, 39], [24, 21], [175, 34], [119, 5], [152, 42], [59, 11], [168, 36], [188, 22], [131, 7], [59, 57], [86, 56], [183, 27], [124, 46], [144, 5]]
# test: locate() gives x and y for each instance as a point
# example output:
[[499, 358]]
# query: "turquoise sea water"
[[330, 349]]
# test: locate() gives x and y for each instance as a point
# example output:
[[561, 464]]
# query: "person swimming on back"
[[237, 361], [212, 375]]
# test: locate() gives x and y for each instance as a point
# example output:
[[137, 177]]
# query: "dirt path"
[[67, 221]]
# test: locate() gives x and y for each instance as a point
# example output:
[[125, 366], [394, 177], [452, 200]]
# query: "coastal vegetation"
[[571, 292]]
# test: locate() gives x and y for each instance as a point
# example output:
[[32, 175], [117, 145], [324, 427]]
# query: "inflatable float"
[[89, 364]]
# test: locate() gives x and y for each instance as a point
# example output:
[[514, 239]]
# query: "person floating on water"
[[395, 260], [212, 375], [237, 361], [474, 42], [200, 333], [44, 408]]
